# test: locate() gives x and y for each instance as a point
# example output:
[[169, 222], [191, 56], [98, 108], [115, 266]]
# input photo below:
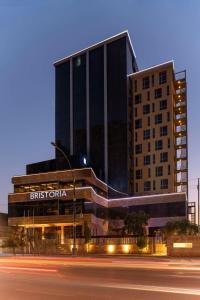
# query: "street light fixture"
[[74, 249]]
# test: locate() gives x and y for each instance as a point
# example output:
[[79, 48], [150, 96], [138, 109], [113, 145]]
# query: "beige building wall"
[[157, 82]]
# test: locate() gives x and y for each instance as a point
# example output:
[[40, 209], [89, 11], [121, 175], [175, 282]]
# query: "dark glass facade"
[[60, 207], [79, 105], [96, 110], [117, 115], [62, 108]]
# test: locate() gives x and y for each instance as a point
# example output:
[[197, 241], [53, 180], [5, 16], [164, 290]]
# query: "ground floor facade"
[[45, 203]]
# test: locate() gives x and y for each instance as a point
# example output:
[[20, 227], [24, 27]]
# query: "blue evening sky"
[[35, 33]]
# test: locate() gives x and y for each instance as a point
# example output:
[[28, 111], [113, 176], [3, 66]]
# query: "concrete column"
[[43, 229], [62, 240]]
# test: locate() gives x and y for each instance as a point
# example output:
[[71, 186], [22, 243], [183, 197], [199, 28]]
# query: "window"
[[163, 156], [158, 145], [149, 172], [168, 143], [159, 171], [148, 121], [136, 137], [138, 123], [163, 131], [163, 104], [138, 148], [168, 116], [158, 93], [148, 96], [168, 90], [164, 184], [146, 109], [135, 86], [147, 186], [138, 98], [147, 160], [146, 82], [153, 132], [162, 77], [153, 107], [152, 80], [138, 174], [146, 134], [135, 111], [149, 147], [154, 159], [158, 119]]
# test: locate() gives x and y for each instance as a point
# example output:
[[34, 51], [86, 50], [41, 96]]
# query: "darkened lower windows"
[[164, 184], [146, 134], [138, 99], [147, 160], [158, 145], [158, 119], [146, 82], [158, 93], [164, 157], [138, 123], [159, 171], [163, 131], [162, 77], [163, 104], [138, 174], [138, 148], [147, 186], [146, 109]]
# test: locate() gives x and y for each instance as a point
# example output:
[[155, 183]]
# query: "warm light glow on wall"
[[111, 248], [71, 247], [126, 248], [182, 245]]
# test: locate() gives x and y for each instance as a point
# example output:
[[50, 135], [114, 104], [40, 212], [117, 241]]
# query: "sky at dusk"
[[34, 34]]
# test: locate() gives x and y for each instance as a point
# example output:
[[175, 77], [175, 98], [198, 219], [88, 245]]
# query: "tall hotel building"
[[130, 129], [159, 162]]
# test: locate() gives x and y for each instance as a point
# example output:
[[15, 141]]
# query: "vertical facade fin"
[[105, 116], [87, 108], [71, 108]]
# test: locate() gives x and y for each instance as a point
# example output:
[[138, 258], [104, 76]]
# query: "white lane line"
[[29, 269], [149, 288]]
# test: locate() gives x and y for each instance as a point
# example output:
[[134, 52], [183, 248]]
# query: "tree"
[[141, 242], [183, 227], [15, 239], [135, 222]]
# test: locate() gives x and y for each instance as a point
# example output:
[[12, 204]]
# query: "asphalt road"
[[116, 278]]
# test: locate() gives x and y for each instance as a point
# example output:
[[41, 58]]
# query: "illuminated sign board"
[[48, 194], [182, 245]]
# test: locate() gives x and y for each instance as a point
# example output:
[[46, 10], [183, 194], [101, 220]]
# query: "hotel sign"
[[48, 195]]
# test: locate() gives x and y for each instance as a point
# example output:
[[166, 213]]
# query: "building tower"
[[92, 117], [159, 131]]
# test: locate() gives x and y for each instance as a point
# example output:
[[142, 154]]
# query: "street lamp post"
[[74, 249]]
